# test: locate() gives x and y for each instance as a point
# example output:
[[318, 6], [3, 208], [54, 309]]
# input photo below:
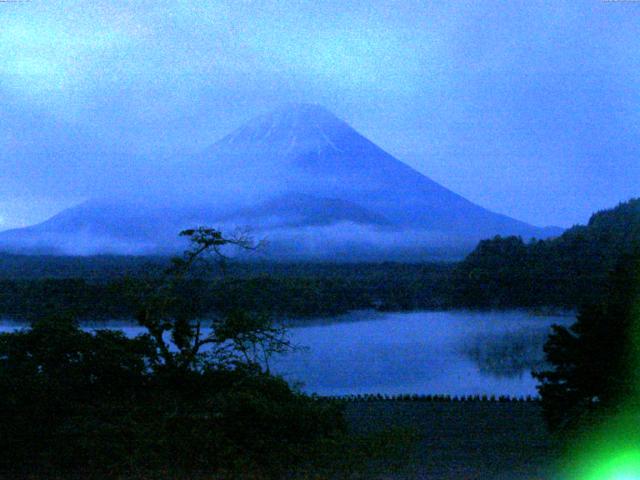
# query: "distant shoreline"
[[353, 316]]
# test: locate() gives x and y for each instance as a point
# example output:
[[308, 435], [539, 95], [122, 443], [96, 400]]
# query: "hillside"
[[566, 271]]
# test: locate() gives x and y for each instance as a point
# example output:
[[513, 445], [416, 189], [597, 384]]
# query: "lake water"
[[452, 352]]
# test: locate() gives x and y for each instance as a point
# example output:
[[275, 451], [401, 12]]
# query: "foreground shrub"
[[594, 363], [75, 401]]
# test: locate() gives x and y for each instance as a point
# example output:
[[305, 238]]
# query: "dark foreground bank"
[[457, 440], [411, 440]]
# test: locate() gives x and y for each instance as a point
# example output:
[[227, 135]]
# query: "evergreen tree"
[[595, 362]]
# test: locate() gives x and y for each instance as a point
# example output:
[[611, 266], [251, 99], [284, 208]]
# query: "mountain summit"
[[299, 176], [291, 127]]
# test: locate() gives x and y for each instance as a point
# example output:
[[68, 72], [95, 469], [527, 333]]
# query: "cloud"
[[48, 55], [527, 108]]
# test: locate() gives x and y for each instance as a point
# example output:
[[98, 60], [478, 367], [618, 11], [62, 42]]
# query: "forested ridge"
[[503, 272], [568, 271]]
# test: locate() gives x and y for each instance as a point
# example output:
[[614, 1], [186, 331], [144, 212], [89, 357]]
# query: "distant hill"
[[299, 176], [570, 270]]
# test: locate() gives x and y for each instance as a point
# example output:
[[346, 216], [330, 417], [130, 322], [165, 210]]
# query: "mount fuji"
[[301, 178]]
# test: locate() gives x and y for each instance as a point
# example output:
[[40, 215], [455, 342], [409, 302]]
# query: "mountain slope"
[[294, 175]]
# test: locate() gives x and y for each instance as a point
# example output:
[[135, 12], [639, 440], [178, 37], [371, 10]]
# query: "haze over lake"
[[449, 352]]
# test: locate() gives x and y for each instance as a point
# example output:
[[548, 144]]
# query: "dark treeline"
[[504, 272], [568, 271], [278, 289], [98, 268], [106, 268]]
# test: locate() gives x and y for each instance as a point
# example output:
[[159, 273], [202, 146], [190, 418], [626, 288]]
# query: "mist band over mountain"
[[301, 178]]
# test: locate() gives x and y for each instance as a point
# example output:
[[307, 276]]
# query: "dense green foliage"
[[595, 361], [567, 271]]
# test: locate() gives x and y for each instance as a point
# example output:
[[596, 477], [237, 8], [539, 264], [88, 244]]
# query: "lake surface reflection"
[[452, 352]]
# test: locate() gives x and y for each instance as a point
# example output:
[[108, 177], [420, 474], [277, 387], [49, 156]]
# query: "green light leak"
[[623, 467], [612, 453], [611, 450]]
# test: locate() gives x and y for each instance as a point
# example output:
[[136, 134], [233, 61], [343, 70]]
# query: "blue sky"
[[529, 108]]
